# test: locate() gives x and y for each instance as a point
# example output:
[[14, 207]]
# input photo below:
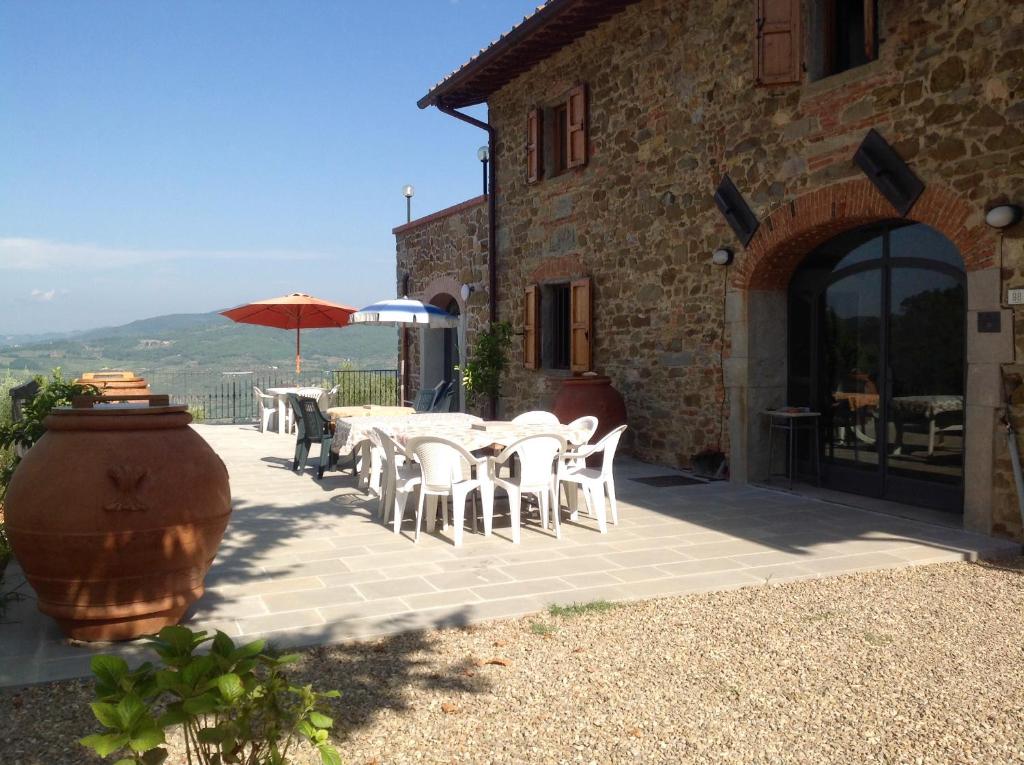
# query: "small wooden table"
[[791, 423]]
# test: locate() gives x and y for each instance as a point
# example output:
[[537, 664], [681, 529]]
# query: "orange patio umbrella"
[[296, 311]]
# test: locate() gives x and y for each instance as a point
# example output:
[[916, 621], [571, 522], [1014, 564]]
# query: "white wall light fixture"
[[1002, 216], [722, 256]]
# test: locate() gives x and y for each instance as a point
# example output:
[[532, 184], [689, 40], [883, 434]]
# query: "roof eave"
[[491, 55]]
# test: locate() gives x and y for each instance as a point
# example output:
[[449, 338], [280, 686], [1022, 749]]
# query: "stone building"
[[612, 124]]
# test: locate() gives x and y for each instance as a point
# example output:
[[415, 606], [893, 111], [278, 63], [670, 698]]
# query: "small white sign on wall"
[[1015, 297]]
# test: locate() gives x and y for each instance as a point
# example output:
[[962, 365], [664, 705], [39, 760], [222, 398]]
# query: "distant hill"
[[201, 342]]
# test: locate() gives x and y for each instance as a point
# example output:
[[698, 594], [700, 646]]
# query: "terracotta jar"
[[115, 516], [116, 383], [590, 394]]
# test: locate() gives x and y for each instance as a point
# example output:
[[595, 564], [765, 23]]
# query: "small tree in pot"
[[483, 371]]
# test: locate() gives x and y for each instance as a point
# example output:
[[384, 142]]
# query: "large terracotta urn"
[[590, 394], [115, 516]]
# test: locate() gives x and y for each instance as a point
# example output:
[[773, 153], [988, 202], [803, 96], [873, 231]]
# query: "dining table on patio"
[[471, 432], [368, 410]]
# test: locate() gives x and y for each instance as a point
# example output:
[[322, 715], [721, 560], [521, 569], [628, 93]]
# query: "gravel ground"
[[917, 665]]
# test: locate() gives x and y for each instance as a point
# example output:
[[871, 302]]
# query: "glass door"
[[852, 341], [878, 349]]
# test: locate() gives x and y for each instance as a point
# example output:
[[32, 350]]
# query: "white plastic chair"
[[535, 418], [596, 482], [267, 406], [586, 426], [371, 460], [540, 462], [398, 474], [446, 470]]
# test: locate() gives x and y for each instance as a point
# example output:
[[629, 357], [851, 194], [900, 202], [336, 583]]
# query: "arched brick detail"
[[564, 267], [790, 232], [445, 285]]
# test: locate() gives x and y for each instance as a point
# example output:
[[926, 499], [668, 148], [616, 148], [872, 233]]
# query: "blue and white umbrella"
[[401, 311]]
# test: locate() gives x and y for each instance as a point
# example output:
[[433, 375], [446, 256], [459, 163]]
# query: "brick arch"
[[444, 285], [790, 232]]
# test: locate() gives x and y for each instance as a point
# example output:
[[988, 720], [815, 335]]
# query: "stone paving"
[[305, 562]]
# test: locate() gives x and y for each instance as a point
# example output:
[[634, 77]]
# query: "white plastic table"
[[283, 405]]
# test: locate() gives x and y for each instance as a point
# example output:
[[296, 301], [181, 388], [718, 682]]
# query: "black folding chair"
[[313, 428]]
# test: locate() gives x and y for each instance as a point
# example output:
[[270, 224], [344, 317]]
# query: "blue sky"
[[183, 156]]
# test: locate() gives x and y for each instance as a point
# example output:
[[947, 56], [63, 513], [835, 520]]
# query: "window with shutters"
[[531, 327], [777, 59], [843, 36], [557, 326], [534, 145], [576, 127], [559, 132], [560, 142]]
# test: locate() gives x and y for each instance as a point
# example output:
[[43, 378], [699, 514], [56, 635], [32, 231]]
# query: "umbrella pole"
[[401, 372], [298, 353]]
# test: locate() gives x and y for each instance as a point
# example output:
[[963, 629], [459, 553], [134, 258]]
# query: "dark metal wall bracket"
[[888, 172], [735, 210]]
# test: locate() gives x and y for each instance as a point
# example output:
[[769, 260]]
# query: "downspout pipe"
[[492, 234]]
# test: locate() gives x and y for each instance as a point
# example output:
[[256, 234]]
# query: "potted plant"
[[483, 371]]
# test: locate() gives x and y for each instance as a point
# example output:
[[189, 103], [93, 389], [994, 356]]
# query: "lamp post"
[[484, 155], [407, 192]]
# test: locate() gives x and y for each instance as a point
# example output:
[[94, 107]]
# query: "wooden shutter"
[[870, 30], [777, 47], [534, 149], [580, 357], [576, 127], [531, 327]]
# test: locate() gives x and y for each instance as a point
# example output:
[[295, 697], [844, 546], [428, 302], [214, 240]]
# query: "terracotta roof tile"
[[553, 25]]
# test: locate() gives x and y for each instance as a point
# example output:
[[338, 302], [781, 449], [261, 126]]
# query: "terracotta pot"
[[115, 516], [591, 395]]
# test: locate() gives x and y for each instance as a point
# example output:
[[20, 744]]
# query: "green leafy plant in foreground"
[[482, 374], [234, 705]]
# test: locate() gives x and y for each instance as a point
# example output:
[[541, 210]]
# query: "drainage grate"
[[667, 480]]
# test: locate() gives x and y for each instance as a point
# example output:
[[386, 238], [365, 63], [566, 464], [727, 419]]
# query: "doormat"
[[667, 480]]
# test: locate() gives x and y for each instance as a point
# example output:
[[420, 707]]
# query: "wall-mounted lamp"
[[484, 155], [1002, 216], [407, 192], [722, 256], [467, 290]]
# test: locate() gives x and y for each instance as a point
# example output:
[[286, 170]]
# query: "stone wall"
[[440, 253], [672, 106]]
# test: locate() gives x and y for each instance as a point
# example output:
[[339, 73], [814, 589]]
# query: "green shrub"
[[234, 704], [21, 435], [483, 371]]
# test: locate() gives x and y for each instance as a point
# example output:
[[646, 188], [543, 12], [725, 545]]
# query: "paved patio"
[[305, 562]]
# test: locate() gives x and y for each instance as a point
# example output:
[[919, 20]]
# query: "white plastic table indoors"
[[281, 397]]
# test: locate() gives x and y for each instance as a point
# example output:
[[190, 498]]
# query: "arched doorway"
[[876, 343], [442, 349]]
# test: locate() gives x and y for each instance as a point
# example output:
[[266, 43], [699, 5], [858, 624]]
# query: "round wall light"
[[466, 291], [1002, 216], [722, 256]]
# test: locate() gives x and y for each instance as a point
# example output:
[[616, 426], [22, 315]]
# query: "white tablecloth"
[[351, 431], [454, 426]]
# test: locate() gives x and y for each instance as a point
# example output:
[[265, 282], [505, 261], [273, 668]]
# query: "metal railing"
[[229, 397]]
